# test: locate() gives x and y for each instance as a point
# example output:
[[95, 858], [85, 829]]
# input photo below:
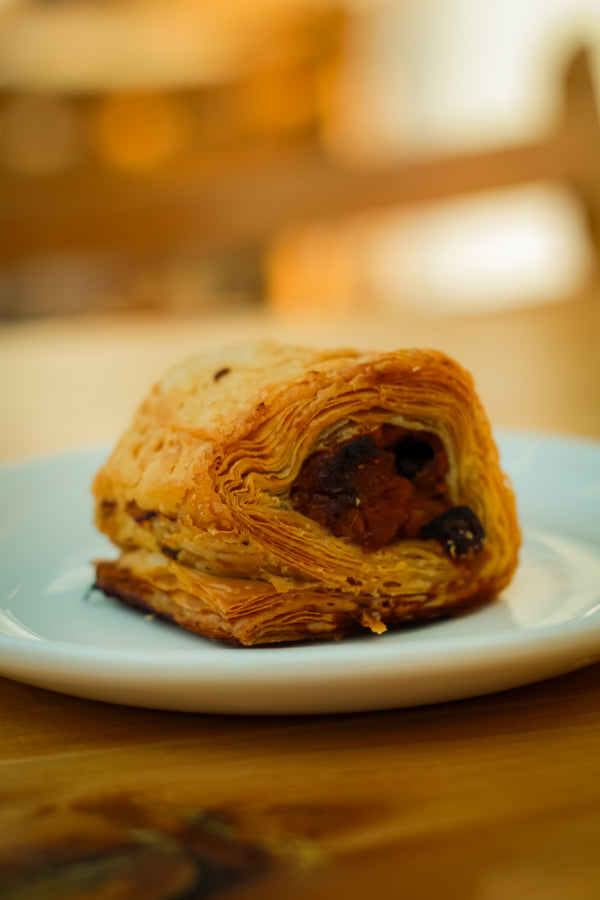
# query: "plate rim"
[[436, 655]]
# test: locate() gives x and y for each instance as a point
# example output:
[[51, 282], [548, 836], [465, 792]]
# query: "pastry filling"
[[383, 487]]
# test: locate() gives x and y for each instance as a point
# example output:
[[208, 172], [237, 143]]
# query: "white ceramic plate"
[[56, 635]]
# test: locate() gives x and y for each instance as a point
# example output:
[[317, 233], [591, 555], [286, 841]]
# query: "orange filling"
[[376, 488]]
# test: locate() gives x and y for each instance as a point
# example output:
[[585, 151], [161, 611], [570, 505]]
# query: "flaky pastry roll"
[[268, 493]]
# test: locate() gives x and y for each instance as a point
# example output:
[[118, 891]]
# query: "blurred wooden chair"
[[318, 262], [252, 165]]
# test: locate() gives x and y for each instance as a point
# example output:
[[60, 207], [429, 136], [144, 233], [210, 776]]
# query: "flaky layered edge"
[[199, 503]]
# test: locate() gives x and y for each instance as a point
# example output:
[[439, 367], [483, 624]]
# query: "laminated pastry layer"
[[268, 493]]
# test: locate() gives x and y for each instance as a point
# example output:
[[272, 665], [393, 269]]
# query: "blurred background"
[[175, 173], [215, 155]]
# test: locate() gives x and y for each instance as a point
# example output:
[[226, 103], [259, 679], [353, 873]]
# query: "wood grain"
[[502, 791]]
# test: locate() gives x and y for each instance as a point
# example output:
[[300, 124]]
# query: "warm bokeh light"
[[269, 104], [313, 271], [138, 132]]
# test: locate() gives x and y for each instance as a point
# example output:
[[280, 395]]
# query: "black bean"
[[411, 454], [458, 530], [336, 474]]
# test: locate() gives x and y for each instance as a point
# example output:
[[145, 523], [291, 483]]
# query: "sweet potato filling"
[[377, 488]]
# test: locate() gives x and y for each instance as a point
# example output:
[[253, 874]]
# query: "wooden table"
[[487, 798]]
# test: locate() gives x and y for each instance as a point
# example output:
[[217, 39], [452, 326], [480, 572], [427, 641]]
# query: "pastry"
[[268, 493]]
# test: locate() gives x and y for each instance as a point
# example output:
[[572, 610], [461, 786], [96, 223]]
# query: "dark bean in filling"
[[383, 487], [458, 530], [411, 455]]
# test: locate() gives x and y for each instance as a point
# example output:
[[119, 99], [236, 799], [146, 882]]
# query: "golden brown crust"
[[197, 495]]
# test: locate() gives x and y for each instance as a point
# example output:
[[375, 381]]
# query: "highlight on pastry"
[[268, 493]]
